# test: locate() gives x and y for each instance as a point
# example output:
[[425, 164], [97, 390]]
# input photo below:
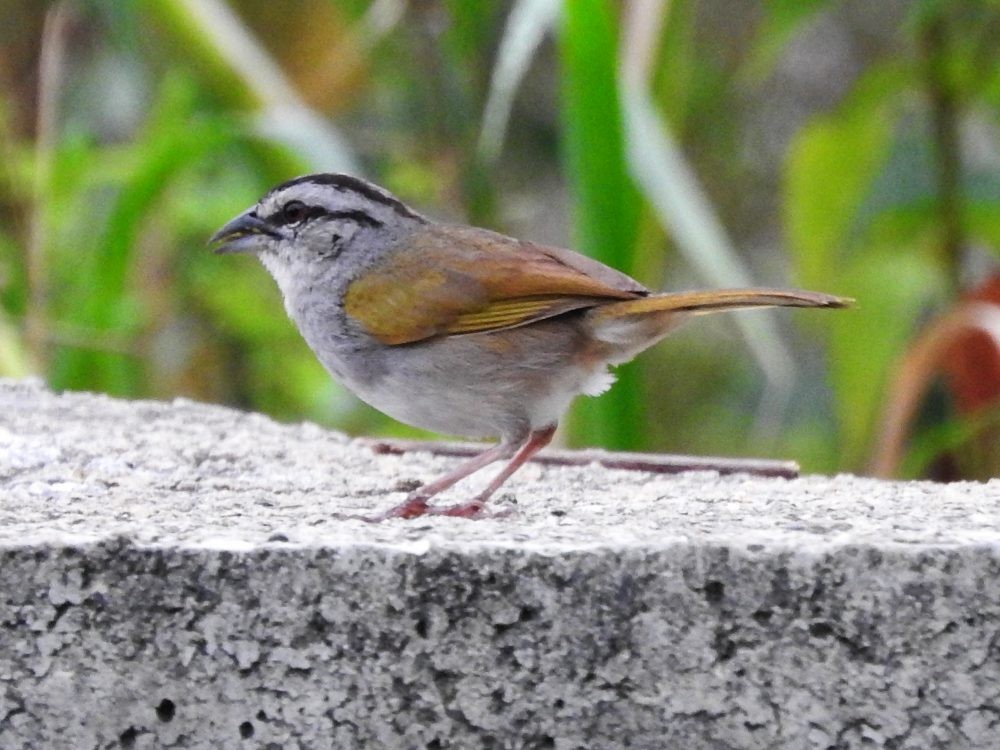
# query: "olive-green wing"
[[450, 280]]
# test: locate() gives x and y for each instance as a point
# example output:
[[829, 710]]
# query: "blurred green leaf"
[[606, 206], [902, 207], [892, 290], [232, 64], [473, 26], [100, 299], [959, 437], [982, 208], [214, 39], [830, 168], [166, 149], [675, 76], [13, 357], [782, 19]]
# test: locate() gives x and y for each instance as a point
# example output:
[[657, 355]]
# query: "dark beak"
[[243, 234]]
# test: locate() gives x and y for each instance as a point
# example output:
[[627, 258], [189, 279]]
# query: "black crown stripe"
[[355, 184]]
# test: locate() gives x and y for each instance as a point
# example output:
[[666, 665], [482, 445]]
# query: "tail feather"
[[722, 299], [627, 327]]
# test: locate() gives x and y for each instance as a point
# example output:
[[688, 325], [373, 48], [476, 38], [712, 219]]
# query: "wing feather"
[[448, 280]]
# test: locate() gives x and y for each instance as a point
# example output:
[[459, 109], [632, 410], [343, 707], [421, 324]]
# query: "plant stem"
[[944, 113]]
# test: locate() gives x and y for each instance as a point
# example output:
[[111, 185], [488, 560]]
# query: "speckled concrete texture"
[[179, 575]]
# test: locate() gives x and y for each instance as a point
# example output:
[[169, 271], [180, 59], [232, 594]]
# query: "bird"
[[458, 329]]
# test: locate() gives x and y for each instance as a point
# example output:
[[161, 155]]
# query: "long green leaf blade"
[[605, 201]]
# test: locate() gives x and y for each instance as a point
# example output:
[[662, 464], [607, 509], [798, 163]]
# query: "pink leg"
[[416, 502], [536, 441]]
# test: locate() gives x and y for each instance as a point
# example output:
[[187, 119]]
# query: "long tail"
[[723, 299], [629, 326]]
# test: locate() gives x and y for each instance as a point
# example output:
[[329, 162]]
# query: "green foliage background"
[[155, 123]]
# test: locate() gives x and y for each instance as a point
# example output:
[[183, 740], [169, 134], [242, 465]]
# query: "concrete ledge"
[[173, 575]]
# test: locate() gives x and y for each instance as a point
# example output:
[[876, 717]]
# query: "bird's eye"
[[293, 212]]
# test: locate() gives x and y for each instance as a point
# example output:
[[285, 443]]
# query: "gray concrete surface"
[[175, 575]]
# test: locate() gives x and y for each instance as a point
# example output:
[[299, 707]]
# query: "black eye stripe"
[[347, 184], [308, 213], [359, 217]]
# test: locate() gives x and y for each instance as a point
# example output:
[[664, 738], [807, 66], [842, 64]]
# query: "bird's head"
[[306, 227]]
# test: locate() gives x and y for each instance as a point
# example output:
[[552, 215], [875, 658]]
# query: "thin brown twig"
[[658, 463], [944, 111]]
